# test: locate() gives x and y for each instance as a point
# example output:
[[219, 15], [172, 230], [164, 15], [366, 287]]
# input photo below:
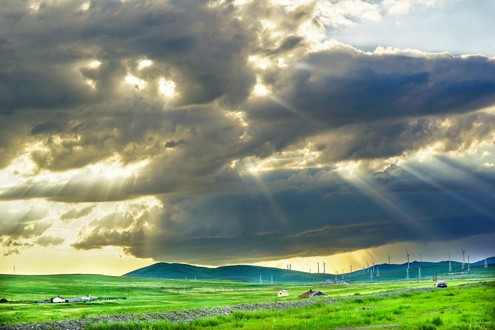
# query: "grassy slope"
[[452, 308], [151, 295]]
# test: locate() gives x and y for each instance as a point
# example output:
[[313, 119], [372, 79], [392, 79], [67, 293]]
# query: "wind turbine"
[[450, 265], [469, 266], [463, 257], [407, 269], [407, 254], [324, 272], [486, 264], [419, 268], [388, 258]]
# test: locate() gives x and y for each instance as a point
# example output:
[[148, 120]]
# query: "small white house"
[[58, 299], [283, 293]]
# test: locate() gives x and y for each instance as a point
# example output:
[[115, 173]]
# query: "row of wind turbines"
[[376, 273]]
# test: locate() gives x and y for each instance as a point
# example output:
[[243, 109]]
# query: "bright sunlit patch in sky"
[[85, 6], [23, 169], [135, 81], [144, 63], [348, 169], [167, 88], [260, 89], [94, 64], [113, 168], [259, 62]]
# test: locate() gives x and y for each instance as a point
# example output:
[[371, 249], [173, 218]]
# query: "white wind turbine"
[[407, 254], [407, 269], [419, 268]]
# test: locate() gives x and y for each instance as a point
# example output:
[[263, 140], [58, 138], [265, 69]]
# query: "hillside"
[[233, 273], [381, 272]]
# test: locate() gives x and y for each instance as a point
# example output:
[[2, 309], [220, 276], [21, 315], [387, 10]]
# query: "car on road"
[[441, 284]]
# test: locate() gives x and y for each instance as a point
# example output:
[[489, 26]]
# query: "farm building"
[[283, 293], [59, 299], [311, 294]]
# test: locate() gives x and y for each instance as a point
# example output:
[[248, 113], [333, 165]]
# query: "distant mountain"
[[233, 273], [253, 273]]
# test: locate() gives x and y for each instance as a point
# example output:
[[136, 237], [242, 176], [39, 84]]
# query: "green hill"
[[257, 274], [232, 273]]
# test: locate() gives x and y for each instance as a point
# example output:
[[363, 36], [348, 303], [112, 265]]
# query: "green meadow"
[[463, 305]]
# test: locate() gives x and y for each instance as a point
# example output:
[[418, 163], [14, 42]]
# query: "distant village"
[[60, 299]]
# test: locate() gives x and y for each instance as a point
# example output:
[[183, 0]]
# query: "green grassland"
[[457, 304], [457, 307]]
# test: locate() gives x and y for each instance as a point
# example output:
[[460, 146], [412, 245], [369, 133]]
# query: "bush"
[[437, 321]]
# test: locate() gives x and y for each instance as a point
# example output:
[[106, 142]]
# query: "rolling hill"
[[233, 273], [257, 274]]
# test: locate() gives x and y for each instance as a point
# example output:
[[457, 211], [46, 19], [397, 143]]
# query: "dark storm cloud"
[[310, 219], [343, 86], [43, 71], [337, 101]]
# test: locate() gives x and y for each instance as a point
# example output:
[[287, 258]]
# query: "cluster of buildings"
[[59, 299]]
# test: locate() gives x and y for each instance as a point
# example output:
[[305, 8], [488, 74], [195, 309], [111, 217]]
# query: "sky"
[[224, 132]]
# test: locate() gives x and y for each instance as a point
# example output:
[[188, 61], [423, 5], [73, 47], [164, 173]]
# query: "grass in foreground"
[[451, 308], [158, 295], [149, 295]]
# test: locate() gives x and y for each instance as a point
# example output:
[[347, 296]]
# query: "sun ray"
[[468, 179], [248, 169], [388, 202], [293, 110]]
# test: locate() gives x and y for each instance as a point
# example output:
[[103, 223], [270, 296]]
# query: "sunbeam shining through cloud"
[[281, 131]]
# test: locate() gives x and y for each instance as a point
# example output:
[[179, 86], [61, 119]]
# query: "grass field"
[[458, 306]]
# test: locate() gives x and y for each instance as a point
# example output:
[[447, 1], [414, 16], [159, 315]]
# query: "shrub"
[[437, 321]]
